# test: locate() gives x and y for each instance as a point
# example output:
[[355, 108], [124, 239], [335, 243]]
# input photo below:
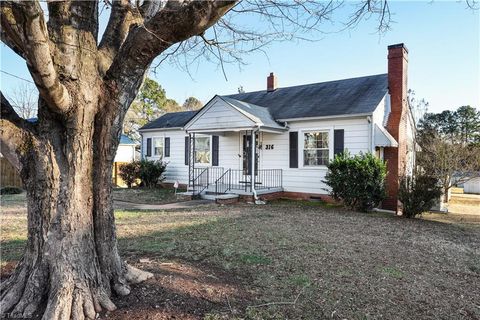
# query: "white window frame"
[[201, 164], [153, 147], [301, 149]]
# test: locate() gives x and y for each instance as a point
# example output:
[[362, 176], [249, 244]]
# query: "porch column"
[[252, 150], [191, 159]]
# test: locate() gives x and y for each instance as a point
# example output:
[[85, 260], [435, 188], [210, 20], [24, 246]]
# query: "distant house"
[[278, 141], [126, 153]]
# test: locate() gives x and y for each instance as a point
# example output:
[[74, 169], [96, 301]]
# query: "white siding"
[[176, 168], [125, 153], [220, 115], [305, 179], [472, 186], [302, 179]]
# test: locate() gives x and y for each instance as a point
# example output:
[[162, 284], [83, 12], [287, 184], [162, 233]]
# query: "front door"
[[247, 154]]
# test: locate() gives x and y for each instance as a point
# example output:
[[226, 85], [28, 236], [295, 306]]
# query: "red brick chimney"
[[397, 122], [271, 82]]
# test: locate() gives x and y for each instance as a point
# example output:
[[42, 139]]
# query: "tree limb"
[[81, 15], [11, 32], [173, 23], [13, 132], [123, 16], [27, 24]]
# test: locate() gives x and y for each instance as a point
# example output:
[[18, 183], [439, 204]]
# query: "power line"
[[12, 75]]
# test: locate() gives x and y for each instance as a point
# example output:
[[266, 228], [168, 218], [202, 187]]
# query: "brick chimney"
[[397, 122], [271, 82]]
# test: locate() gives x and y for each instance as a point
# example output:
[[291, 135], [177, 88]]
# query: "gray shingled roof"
[[170, 120], [341, 97], [260, 113], [333, 98]]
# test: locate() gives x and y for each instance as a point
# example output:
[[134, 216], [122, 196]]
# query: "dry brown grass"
[[145, 195], [254, 262]]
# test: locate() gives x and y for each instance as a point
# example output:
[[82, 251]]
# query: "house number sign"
[[269, 147]]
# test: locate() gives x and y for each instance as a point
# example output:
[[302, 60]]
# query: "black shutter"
[[293, 149], [186, 150], [149, 147], [215, 141], [338, 141], [167, 147]]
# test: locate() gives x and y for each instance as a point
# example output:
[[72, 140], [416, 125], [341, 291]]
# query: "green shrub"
[[358, 181], [10, 190], [418, 194], [151, 172], [130, 172]]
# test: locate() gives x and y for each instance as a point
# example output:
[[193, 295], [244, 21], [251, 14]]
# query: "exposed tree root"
[[68, 297], [134, 275]]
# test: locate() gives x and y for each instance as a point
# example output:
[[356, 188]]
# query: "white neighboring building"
[[279, 140], [472, 186], [126, 150], [125, 154]]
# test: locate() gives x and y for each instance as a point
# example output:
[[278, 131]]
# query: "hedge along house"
[[278, 141]]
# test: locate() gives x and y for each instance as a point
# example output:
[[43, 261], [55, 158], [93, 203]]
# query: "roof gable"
[[218, 113]]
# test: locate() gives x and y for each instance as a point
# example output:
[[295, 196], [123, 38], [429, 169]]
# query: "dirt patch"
[[180, 290]]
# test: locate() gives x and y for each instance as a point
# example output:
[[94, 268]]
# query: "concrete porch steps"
[[213, 196]]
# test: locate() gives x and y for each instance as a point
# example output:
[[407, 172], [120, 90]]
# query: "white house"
[[279, 140], [125, 154]]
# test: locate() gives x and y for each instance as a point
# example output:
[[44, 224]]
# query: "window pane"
[[202, 150], [158, 147], [315, 140], [315, 157]]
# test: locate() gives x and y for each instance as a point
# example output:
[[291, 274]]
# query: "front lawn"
[[290, 260], [145, 195]]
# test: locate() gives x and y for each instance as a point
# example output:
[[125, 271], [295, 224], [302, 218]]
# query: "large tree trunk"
[[71, 262]]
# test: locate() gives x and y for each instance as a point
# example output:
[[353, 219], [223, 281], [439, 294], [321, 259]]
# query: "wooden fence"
[[9, 176]]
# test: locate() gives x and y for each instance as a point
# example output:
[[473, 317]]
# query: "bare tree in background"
[[24, 99], [86, 84], [192, 104], [419, 107]]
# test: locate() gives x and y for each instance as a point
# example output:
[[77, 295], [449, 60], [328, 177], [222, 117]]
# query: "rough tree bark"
[[71, 265]]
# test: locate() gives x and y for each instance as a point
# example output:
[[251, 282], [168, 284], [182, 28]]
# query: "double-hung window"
[[316, 151], [158, 147], [202, 150]]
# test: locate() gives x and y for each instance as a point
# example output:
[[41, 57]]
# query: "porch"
[[220, 181], [225, 148]]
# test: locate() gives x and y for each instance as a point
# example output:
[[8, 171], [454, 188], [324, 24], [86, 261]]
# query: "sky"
[[443, 39]]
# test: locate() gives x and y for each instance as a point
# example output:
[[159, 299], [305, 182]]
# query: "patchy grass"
[[145, 195], [392, 272], [293, 260]]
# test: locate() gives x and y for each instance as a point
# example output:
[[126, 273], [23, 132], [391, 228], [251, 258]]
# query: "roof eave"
[[157, 129], [354, 115]]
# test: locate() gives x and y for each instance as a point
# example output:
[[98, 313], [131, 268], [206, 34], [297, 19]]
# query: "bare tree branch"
[[173, 23], [11, 32], [122, 17], [27, 24]]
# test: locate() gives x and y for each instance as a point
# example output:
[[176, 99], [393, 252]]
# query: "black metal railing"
[[237, 180], [200, 180], [203, 177], [268, 179]]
